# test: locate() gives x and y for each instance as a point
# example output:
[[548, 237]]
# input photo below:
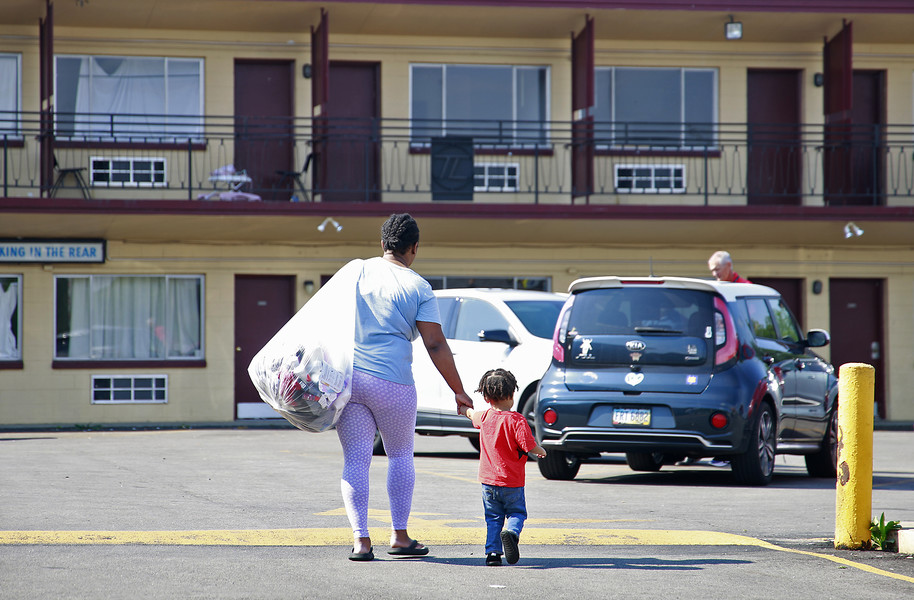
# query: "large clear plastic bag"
[[305, 371]]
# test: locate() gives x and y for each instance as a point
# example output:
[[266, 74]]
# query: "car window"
[[760, 319], [474, 316], [633, 310], [447, 307], [538, 316], [786, 324]]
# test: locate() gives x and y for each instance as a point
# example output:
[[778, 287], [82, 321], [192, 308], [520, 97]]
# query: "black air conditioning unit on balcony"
[[452, 168]]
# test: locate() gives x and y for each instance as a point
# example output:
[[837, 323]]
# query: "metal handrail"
[[515, 161]]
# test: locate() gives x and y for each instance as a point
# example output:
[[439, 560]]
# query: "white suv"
[[485, 329]]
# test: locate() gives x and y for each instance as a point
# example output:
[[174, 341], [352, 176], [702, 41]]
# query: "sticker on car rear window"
[[586, 348], [634, 378]]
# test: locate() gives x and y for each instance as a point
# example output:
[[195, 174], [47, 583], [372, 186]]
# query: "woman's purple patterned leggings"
[[390, 408]]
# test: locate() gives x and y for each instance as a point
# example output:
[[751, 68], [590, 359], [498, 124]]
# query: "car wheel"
[[756, 465], [378, 447], [644, 461], [559, 465], [824, 463]]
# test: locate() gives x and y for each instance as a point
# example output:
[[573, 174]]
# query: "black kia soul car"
[[666, 368]]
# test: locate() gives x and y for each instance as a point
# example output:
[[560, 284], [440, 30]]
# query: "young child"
[[505, 440]]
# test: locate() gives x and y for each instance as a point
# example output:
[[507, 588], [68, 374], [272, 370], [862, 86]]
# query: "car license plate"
[[632, 416]]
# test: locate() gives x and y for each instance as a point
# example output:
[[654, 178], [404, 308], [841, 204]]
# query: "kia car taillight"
[[724, 334], [561, 330]]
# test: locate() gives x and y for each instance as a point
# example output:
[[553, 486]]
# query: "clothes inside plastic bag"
[[305, 371]]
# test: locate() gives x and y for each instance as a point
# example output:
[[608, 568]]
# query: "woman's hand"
[[463, 400]]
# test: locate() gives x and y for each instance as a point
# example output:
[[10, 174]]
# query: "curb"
[[83, 427], [905, 538]]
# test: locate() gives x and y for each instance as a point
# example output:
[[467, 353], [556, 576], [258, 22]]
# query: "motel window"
[[129, 98], [124, 317], [665, 108], [10, 94], [10, 317], [494, 104]]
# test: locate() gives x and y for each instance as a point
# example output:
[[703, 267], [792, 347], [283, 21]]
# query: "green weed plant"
[[880, 531]]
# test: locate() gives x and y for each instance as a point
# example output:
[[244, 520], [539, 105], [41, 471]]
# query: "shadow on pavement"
[[645, 563]]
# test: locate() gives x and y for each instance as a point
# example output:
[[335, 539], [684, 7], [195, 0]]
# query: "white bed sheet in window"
[[129, 97]]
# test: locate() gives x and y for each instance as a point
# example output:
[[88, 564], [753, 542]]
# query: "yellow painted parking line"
[[433, 535], [840, 561]]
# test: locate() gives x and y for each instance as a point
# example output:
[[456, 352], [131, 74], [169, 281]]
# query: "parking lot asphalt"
[[256, 513]]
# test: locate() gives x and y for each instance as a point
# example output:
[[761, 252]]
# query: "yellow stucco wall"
[[39, 394]]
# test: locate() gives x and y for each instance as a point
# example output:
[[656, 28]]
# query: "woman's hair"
[[497, 384], [399, 232]]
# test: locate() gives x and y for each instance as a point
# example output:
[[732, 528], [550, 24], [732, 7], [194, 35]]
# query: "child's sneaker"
[[493, 559], [509, 541]]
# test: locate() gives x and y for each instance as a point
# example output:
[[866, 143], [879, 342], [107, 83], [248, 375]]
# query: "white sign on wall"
[[52, 251]]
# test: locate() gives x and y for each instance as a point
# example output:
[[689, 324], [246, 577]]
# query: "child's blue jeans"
[[505, 507]]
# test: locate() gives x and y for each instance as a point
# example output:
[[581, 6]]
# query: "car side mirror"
[[817, 338], [497, 335]]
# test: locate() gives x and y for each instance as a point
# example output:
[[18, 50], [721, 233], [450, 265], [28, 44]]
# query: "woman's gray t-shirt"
[[389, 300]]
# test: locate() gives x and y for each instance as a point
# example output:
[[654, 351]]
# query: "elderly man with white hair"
[[721, 266]]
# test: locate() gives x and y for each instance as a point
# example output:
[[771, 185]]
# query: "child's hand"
[[462, 410], [537, 452]]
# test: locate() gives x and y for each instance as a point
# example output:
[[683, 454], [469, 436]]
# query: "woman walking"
[[394, 305]]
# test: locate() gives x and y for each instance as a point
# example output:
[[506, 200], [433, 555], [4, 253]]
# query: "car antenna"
[[651, 259]]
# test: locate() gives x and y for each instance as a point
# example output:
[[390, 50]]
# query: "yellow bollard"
[[855, 456]]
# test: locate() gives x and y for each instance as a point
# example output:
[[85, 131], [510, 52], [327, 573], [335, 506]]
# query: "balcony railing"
[[510, 162]]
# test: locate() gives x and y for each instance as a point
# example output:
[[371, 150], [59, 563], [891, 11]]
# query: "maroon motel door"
[[856, 327], [263, 304], [351, 152], [867, 164], [264, 125], [774, 170]]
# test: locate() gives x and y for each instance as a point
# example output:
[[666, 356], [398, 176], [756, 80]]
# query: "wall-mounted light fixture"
[[817, 287], [306, 71], [851, 230], [818, 79], [309, 286], [331, 221], [733, 30]]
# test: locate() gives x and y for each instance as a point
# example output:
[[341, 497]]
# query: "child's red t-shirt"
[[504, 440]]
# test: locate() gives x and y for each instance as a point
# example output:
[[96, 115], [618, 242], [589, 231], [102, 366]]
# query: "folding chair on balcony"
[[297, 176], [76, 172]]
